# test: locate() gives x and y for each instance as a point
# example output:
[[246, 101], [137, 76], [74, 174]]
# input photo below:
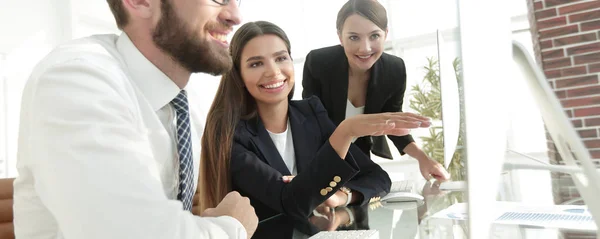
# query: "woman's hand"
[[398, 124], [329, 219], [430, 168], [287, 179], [339, 198]]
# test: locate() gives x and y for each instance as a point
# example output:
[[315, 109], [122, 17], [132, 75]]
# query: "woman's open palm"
[[397, 124]]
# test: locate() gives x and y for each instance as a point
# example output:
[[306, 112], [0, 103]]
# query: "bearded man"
[[109, 146]]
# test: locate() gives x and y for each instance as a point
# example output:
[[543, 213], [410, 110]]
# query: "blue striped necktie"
[[184, 149]]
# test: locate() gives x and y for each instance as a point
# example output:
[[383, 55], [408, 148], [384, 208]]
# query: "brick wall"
[[566, 40]]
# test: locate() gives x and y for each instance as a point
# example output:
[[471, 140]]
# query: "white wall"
[[3, 118], [30, 29]]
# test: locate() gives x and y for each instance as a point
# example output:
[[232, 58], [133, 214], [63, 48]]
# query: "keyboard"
[[353, 234], [403, 186]]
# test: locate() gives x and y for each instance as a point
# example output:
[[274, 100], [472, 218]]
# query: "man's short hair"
[[119, 12]]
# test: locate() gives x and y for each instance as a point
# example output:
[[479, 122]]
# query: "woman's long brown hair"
[[232, 103]]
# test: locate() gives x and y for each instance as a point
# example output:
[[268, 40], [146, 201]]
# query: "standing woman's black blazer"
[[326, 76]]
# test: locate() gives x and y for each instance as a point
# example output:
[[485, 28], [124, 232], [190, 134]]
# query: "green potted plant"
[[426, 100]]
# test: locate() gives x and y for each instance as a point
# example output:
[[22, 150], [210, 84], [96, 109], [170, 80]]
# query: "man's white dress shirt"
[[97, 154]]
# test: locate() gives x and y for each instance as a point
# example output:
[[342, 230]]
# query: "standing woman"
[[357, 77]]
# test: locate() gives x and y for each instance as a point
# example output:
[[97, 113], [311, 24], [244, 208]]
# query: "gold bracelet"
[[348, 193]]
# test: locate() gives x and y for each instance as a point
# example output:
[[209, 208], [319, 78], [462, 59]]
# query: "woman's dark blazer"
[[257, 168], [326, 76]]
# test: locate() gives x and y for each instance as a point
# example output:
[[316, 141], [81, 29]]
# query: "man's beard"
[[186, 47]]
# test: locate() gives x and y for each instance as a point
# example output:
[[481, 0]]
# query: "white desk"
[[515, 186]]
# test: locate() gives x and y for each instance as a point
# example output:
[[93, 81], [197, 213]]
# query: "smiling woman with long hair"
[[257, 139]]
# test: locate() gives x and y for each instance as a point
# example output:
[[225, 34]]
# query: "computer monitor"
[[449, 99], [567, 141]]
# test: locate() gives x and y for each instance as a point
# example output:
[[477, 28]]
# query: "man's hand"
[[238, 207]]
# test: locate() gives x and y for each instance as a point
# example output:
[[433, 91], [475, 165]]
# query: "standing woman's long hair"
[[232, 103]]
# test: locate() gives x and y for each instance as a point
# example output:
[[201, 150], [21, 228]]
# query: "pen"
[[269, 218]]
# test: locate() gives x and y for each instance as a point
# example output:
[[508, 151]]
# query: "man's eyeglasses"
[[225, 2]]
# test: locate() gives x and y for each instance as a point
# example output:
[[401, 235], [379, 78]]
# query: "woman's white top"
[[284, 143], [352, 111]]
